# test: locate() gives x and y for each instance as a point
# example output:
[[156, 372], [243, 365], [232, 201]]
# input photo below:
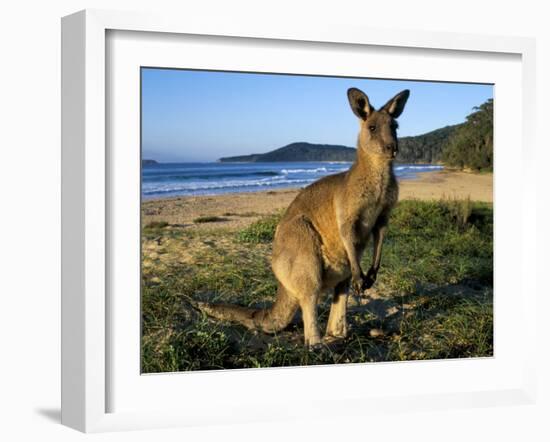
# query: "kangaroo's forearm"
[[378, 232], [349, 239], [378, 239]]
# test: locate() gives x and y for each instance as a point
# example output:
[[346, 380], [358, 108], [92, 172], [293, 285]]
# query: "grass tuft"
[[261, 231], [156, 225], [209, 219]]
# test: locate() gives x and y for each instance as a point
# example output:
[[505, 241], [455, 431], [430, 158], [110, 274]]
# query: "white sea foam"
[[417, 167], [316, 170], [208, 179], [197, 187]]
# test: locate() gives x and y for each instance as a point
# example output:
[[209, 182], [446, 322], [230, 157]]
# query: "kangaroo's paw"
[[314, 343], [330, 339], [334, 343], [337, 328], [369, 279]]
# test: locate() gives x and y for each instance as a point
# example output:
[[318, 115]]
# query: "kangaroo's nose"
[[392, 147]]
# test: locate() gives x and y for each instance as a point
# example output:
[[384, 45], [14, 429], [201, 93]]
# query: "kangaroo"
[[319, 242]]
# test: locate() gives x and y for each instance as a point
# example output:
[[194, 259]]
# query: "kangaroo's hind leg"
[[337, 325], [298, 267], [312, 336]]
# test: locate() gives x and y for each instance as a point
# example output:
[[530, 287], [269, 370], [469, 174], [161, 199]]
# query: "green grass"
[[260, 231], [433, 294]]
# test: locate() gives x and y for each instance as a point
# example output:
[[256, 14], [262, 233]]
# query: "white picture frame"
[[86, 208]]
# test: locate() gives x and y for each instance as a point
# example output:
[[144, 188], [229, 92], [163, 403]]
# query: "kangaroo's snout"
[[392, 149]]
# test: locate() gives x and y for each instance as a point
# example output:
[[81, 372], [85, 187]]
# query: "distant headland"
[[297, 152], [148, 162], [425, 148]]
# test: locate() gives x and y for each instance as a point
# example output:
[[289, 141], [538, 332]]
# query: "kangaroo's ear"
[[359, 103], [395, 106]]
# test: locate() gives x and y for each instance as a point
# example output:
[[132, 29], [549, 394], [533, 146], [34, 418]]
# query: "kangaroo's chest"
[[378, 203], [376, 199], [366, 220]]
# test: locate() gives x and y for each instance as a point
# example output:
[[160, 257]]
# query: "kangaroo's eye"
[[372, 128]]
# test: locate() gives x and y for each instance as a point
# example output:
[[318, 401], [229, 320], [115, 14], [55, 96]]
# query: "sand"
[[238, 210], [448, 184]]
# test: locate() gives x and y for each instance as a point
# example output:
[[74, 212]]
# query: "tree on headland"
[[471, 144], [424, 148]]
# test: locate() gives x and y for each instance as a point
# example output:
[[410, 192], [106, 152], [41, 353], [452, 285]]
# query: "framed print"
[[221, 185]]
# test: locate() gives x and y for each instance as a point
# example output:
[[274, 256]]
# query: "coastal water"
[[183, 179]]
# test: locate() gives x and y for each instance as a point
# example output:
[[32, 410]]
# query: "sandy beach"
[[237, 210]]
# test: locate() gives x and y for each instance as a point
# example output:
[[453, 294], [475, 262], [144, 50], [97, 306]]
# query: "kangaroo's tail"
[[269, 320]]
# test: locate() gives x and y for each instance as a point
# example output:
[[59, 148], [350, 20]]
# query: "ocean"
[[185, 179]]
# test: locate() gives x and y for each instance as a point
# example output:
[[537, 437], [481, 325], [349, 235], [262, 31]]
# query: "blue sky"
[[202, 116]]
